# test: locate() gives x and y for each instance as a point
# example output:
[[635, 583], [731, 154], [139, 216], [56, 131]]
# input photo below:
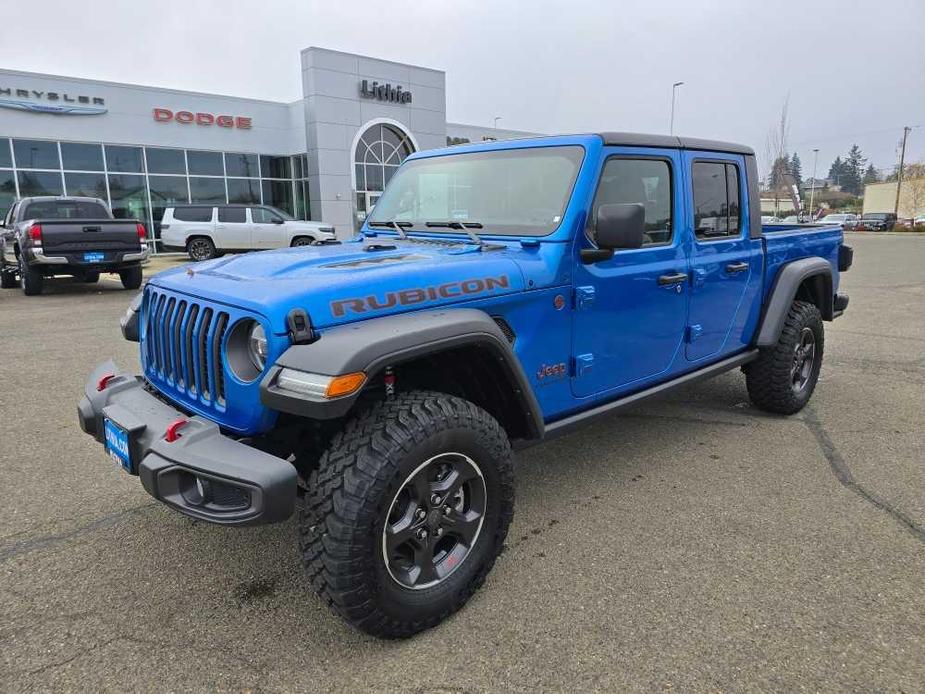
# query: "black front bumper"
[[203, 473]]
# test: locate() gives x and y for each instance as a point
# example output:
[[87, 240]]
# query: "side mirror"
[[617, 226]]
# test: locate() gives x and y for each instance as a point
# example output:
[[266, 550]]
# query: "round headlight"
[[257, 346]]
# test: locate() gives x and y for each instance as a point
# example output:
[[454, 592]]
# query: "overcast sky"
[[853, 71]]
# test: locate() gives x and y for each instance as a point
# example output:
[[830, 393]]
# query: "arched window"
[[379, 152]]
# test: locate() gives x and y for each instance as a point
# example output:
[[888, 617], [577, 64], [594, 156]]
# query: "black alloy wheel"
[[804, 359]]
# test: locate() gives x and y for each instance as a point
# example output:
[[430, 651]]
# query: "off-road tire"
[[200, 248], [90, 277], [302, 241], [31, 281], [131, 277], [8, 278], [350, 493], [769, 378]]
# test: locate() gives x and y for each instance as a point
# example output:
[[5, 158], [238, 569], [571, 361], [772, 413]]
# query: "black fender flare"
[[373, 344], [788, 281]]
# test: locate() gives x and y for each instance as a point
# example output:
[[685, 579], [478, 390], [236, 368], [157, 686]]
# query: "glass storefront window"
[[82, 157], [7, 191], [86, 185], [275, 166], [127, 159], [165, 191], [300, 201], [36, 154], [297, 166], [207, 189], [241, 165], [278, 194], [39, 183], [6, 158], [205, 163], [129, 200], [243, 190], [165, 161]]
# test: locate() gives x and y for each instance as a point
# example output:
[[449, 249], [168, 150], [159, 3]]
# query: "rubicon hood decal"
[[418, 295]]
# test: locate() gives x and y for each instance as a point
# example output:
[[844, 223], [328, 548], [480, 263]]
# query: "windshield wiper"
[[462, 226], [392, 224]]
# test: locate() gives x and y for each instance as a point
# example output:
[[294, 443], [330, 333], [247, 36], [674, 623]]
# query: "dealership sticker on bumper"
[[117, 444], [94, 257]]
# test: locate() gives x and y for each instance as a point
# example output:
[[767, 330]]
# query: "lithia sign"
[[60, 103], [384, 92]]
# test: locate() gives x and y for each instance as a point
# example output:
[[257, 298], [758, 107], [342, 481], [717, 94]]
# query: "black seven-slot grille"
[[183, 346]]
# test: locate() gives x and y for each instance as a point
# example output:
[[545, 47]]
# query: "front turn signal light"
[[344, 385]]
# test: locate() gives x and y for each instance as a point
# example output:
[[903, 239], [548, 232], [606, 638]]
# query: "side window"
[[10, 216], [193, 214], [261, 215], [646, 181], [717, 197], [232, 215]]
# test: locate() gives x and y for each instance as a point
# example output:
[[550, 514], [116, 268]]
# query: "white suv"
[[205, 231]]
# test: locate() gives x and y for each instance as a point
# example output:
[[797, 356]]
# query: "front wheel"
[[783, 377], [407, 511], [200, 248], [303, 241]]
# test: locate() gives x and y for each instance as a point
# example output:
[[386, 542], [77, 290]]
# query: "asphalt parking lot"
[[693, 543]]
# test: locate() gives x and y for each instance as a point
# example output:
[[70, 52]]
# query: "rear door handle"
[[733, 268], [676, 278]]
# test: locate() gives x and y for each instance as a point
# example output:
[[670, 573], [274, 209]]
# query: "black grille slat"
[[190, 355], [158, 354], [205, 330], [216, 366], [165, 339], [178, 371]]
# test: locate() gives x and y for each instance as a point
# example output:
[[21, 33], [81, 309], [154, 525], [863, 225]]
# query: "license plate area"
[[121, 437], [94, 257]]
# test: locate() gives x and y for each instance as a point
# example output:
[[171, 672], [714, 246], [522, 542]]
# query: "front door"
[[723, 259], [269, 228], [630, 311]]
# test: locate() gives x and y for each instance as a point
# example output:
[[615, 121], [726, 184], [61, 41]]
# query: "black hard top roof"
[[672, 141]]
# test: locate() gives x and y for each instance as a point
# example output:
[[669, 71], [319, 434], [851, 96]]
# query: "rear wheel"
[[31, 281], [131, 277], [303, 241], [407, 512], [784, 376], [200, 248]]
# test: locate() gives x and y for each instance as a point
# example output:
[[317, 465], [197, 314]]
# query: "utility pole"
[[902, 161], [674, 89], [812, 189], [497, 118]]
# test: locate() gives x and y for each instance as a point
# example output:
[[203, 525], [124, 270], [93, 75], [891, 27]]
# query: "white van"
[[205, 231]]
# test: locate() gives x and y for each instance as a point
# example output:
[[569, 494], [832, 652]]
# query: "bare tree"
[[781, 182]]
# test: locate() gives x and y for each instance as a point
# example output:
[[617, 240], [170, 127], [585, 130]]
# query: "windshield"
[[880, 216], [516, 192], [65, 209]]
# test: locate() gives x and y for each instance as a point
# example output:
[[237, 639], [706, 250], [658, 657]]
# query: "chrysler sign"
[[165, 115], [60, 103]]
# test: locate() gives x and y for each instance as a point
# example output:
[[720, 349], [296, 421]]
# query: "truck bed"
[[786, 242]]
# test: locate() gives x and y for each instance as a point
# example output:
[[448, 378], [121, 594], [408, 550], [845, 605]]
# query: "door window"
[[262, 215], [717, 198], [644, 181], [193, 214], [232, 215]]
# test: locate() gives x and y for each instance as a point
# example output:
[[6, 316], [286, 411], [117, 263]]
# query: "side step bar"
[[569, 424]]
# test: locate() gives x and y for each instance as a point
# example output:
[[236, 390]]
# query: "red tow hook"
[[172, 433], [104, 381]]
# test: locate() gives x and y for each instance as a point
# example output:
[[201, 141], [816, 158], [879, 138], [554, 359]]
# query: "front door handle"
[[733, 268], [676, 278]]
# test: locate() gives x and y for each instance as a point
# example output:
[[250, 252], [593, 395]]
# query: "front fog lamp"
[[257, 346], [318, 386]]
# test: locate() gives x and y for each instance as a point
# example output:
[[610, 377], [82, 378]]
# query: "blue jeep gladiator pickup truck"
[[497, 295]]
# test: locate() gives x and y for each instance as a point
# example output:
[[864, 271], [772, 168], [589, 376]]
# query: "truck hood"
[[352, 281]]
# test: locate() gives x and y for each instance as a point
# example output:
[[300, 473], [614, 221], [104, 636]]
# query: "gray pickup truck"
[[48, 236]]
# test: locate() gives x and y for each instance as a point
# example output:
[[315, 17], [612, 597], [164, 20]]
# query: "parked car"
[[394, 373], [205, 231], [792, 219], [57, 235], [770, 219], [920, 220], [876, 221], [845, 220]]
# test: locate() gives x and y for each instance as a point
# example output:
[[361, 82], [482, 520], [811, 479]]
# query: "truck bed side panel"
[[786, 244]]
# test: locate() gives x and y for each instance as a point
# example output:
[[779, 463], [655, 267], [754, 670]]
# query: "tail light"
[[142, 233], [35, 234]]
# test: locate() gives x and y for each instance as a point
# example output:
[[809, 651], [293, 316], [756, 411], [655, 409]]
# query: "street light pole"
[[899, 177], [497, 118], [674, 89], [812, 189]]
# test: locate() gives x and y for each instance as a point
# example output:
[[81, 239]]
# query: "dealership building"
[[326, 156]]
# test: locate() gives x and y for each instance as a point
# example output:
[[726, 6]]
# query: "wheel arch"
[[808, 279], [459, 351]]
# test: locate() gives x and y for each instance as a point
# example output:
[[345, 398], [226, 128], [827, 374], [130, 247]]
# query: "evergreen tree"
[[853, 171], [778, 179], [871, 175], [835, 171], [796, 169]]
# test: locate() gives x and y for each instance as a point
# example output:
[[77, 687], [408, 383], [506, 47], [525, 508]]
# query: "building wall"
[[881, 197]]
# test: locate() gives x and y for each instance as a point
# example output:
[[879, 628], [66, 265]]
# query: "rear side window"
[[232, 215], [64, 209], [645, 181], [716, 200], [193, 214]]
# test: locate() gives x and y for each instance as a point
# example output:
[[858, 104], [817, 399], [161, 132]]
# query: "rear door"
[[630, 310], [724, 259], [269, 228], [232, 228]]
